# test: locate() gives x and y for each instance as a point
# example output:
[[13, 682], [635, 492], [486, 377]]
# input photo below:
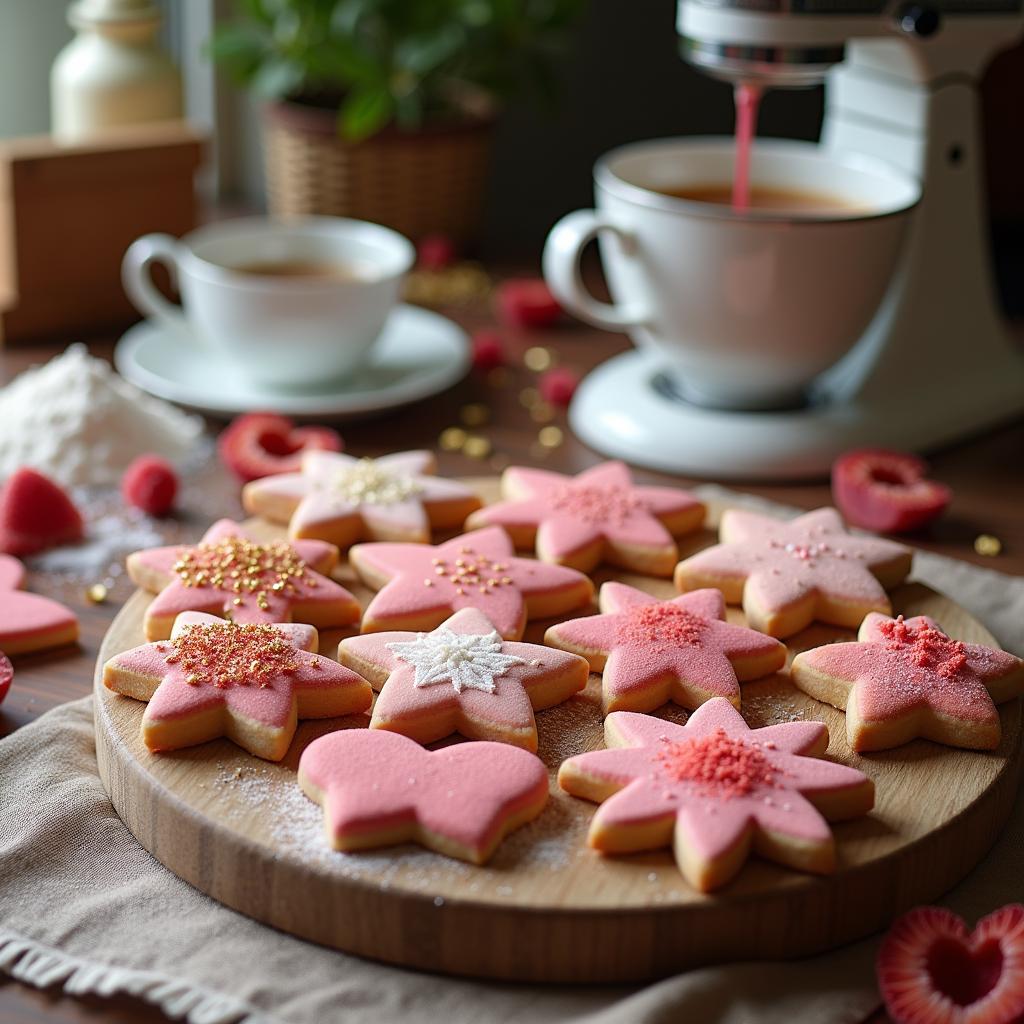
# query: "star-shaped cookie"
[[463, 678], [229, 574], [250, 683], [598, 516], [715, 788], [421, 585], [905, 678], [786, 574], [342, 500], [30, 622], [652, 651], [380, 789]]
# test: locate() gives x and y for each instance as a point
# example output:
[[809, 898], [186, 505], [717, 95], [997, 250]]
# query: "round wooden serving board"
[[547, 908]]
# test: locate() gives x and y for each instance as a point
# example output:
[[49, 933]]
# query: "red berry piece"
[[435, 252], [6, 675], [36, 514], [488, 350], [261, 444], [151, 484], [558, 385], [527, 302], [886, 491], [932, 970]]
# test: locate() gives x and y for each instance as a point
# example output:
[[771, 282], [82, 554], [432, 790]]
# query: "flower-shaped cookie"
[[250, 683], [462, 678], [380, 789], [421, 585], [599, 515], [904, 678], [341, 499], [229, 574], [652, 651], [30, 622], [714, 788], [786, 574]]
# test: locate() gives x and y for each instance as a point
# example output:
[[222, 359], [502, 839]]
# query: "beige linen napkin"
[[82, 905]]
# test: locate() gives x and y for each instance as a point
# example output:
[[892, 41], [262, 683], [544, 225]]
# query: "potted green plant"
[[383, 109]]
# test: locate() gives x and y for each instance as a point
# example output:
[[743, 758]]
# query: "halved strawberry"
[[6, 675], [886, 491], [36, 514], [527, 302], [259, 444], [932, 970]]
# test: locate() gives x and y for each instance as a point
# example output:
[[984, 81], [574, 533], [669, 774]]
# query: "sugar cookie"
[[652, 651], [229, 574], [381, 789], [714, 789], [786, 574], [343, 500], [250, 683], [904, 678], [598, 516], [462, 678], [30, 622], [421, 585]]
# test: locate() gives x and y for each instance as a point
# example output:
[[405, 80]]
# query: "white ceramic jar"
[[113, 72]]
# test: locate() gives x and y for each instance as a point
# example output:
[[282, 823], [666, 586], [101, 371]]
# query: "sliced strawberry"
[[886, 491], [6, 675], [932, 970], [527, 302], [435, 252], [488, 350], [36, 514], [150, 484], [558, 385], [260, 444]]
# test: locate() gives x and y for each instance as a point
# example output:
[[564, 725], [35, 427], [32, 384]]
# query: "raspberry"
[[151, 484]]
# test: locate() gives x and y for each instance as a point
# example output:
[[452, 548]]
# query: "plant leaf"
[[367, 110]]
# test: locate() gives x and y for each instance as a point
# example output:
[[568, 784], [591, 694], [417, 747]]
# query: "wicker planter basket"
[[418, 183]]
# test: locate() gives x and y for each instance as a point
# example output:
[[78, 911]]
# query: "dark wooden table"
[[986, 474]]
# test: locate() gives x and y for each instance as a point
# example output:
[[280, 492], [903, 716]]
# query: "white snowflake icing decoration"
[[367, 482], [469, 661]]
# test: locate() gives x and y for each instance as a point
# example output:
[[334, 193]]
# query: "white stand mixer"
[[937, 363]]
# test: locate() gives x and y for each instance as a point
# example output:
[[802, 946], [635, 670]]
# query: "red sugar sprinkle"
[[595, 504], [925, 647], [232, 655], [660, 626], [720, 765]]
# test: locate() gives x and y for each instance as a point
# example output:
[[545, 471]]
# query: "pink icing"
[[645, 639], [602, 503], [509, 707], [309, 589], [783, 562], [25, 615], [663, 770], [900, 665], [476, 570], [267, 697], [374, 780]]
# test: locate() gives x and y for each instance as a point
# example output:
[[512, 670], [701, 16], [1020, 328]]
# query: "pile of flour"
[[75, 420]]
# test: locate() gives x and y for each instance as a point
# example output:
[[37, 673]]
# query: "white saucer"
[[419, 354]]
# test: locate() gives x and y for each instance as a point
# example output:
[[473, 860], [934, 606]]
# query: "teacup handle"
[[562, 252], [138, 282]]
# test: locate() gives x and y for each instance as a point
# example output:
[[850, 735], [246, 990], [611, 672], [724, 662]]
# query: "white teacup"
[[281, 329], [747, 308]]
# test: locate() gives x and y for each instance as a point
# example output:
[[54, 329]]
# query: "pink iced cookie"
[[381, 789], [229, 574], [30, 622], [250, 683], [786, 574], [421, 585], [343, 500], [599, 515], [905, 678], [462, 678], [652, 651], [713, 788]]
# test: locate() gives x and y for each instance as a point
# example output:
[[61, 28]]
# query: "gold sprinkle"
[[550, 437], [96, 594], [428, 583], [542, 412], [452, 439], [529, 397], [475, 414], [476, 447], [986, 544], [538, 359]]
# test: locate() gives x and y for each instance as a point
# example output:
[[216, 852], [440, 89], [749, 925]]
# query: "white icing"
[[468, 661], [367, 482]]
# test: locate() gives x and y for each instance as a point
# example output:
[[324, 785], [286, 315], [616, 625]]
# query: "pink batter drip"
[[719, 764], [661, 626], [748, 100], [925, 646]]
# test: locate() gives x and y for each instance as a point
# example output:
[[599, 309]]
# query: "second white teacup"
[[290, 304]]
